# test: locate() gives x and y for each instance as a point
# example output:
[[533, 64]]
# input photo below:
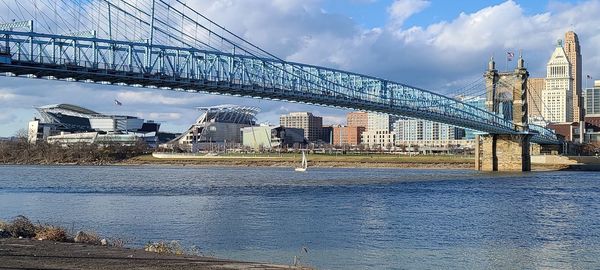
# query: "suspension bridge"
[[168, 45]]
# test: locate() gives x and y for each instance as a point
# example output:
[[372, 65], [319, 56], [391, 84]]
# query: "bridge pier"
[[506, 152], [503, 152]]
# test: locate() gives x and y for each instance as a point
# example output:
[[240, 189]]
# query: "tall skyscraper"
[[311, 124], [573, 52], [557, 98]]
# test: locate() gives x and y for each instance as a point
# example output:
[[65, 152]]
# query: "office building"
[[535, 87], [380, 122], [592, 100], [348, 135], [557, 97], [311, 124], [415, 131], [592, 113], [357, 119], [379, 130], [378, 138], [573, 53]]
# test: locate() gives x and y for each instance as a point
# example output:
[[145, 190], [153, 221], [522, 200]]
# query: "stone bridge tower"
[[506, 94]]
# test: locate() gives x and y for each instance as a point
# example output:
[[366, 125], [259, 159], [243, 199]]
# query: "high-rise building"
[[423, 130], [379, 130], [380, 121], [347, 135], [311, 124], [378, 138], [592, 100], [358, 119], [557, 97], [573, 53], [535, 88]]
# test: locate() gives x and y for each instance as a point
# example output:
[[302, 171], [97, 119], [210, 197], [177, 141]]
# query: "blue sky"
[[372, 13], [424, 43]]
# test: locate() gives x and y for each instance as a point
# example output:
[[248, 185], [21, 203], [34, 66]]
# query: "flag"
[[118, 103], [510, 56]]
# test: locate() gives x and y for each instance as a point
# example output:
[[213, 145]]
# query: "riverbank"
[[34, 254], [314, 160], [25, 245]]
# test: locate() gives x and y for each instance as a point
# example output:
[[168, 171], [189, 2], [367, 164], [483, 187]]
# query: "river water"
[[345, 218]]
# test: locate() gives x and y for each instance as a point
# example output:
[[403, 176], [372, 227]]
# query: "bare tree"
[[22, 134]]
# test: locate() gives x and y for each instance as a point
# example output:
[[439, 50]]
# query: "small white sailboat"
[[304, 164]]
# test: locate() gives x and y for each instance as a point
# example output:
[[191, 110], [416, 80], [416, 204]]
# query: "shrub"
[[51, 233], [91, 238], [21, 227], [162, 247]]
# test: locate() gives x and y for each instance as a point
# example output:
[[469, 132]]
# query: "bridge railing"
[[199, 70]]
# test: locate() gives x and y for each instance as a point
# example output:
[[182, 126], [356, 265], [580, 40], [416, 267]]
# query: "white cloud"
[[400, 10], [152, 97]]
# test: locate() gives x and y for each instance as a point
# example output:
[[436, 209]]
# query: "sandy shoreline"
[[34, 254]]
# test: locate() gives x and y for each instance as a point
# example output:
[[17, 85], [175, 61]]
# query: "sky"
[[438, 45]]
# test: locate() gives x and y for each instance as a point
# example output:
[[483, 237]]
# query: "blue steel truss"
[[84, 57]]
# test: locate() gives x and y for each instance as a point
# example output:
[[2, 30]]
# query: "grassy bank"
[[314, 160]]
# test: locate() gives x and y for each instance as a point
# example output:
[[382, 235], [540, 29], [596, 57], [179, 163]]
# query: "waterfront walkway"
[[33, 254]]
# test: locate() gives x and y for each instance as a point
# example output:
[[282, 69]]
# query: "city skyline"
[[175, 109]]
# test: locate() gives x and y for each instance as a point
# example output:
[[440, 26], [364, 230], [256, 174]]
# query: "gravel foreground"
[[34, 254]]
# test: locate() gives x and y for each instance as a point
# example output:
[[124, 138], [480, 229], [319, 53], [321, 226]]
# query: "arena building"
[[217, 127], [67, 123]]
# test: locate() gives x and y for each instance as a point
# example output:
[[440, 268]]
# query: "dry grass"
[[21, 152], [162, 247], [117, 242], [51, 233], [90, 238], [21, 227], [3, 225]]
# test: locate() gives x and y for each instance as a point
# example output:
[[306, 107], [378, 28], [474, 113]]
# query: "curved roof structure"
[[67, 107], [228, 114]]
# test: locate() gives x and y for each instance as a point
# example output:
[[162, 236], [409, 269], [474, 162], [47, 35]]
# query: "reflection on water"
[[347, 218]]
